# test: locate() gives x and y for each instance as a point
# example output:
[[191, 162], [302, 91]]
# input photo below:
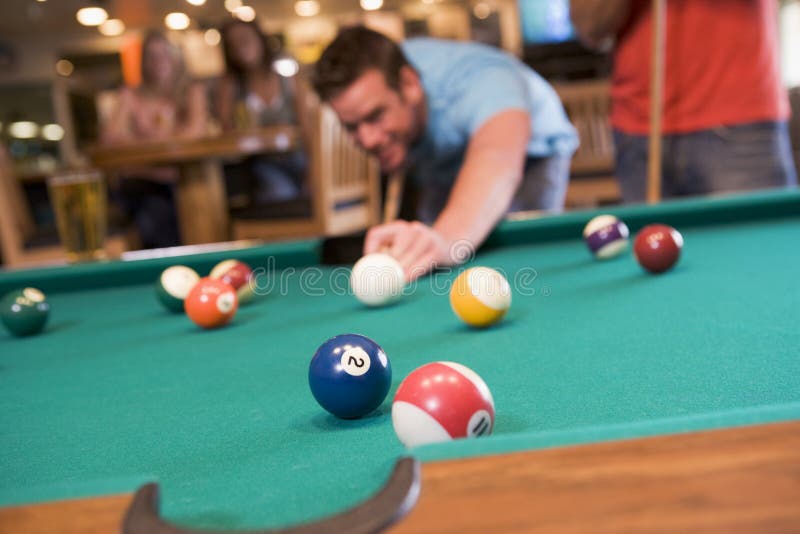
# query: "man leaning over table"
[[481, 133]]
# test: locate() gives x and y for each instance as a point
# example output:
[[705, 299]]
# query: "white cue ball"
[[377, 279]]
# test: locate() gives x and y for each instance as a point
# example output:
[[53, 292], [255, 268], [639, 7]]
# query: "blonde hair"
[[180, 78]]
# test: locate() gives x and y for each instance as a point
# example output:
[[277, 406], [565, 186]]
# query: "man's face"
[[383, 121]]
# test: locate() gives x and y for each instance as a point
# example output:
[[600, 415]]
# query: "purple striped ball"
[[606, 236]]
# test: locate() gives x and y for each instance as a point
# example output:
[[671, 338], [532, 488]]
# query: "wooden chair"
[[16, 223], [18, 230], [344, 186], [592, 180]]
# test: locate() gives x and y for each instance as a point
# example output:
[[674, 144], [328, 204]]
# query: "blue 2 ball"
[[350, 375]]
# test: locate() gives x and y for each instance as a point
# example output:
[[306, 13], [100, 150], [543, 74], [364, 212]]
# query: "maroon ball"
[[657, 247]]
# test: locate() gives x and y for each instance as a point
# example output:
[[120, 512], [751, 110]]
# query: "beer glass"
[[80, 205]]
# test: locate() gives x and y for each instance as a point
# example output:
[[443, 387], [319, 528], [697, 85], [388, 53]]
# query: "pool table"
[[625, 401]]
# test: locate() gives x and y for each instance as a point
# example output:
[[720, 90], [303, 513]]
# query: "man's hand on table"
[[417, 247]]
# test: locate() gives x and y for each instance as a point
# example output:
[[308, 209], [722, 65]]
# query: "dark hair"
[[353, 52], [231, 66]]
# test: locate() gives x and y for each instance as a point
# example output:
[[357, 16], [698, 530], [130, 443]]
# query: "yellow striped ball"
[[480, 296]]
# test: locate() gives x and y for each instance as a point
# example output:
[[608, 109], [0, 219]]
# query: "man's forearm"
[[488, 180], [479, 201], [598, 21]]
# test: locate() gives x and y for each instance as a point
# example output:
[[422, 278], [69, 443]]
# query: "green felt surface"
[[117, 391]]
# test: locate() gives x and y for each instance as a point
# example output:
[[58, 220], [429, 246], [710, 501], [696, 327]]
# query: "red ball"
[[211, 303], [442, 401], [238, 274], [658, 247]]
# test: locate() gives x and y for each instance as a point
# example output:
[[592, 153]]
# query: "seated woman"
[[252, 94], [165, 105]]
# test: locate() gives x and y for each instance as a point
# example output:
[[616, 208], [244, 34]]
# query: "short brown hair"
[[354, 51]]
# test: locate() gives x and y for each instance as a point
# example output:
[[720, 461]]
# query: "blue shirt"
[[465, 85]]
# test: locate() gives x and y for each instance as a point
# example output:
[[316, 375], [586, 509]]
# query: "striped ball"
[[238, 275], [480, 296], [606, 236], [442, 401]]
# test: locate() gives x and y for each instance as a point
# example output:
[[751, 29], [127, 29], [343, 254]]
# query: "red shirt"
[[721, 66]]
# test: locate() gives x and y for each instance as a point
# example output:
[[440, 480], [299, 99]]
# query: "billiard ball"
[[442, 401], [657, 247], [239, 275], [377, 279], [211, 303], [350, 375], [480, 296], [24, 312], [174, 284], [606, 236]]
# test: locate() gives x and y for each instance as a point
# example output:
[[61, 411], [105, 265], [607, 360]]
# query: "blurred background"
[[58, 58], [54, 67]]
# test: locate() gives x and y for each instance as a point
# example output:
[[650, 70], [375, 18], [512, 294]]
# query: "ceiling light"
[[233, 5], [112, 28], [371, 5], [245, 13], [64, 67], [23, 129], [177, 21], [196, 2], [286, 67], [306, 8], [212, 37], [52, 132], [91, 16]]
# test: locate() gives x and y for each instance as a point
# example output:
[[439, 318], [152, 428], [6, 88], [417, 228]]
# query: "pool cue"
[[391, 201], [394, 196], [656, 101]]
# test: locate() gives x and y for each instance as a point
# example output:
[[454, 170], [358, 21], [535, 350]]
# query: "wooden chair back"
[[588, 105], [344, 184], [16, 223], [349, 179]]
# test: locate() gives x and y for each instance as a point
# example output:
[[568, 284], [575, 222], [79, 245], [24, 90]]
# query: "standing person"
[[165, 105], [251, 94], [480, 131], [724, 111]]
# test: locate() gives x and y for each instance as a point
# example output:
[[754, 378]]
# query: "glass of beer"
[[80, 205]]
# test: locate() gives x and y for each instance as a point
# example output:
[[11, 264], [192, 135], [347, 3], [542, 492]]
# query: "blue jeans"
[[723, 159], [543, 187]]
